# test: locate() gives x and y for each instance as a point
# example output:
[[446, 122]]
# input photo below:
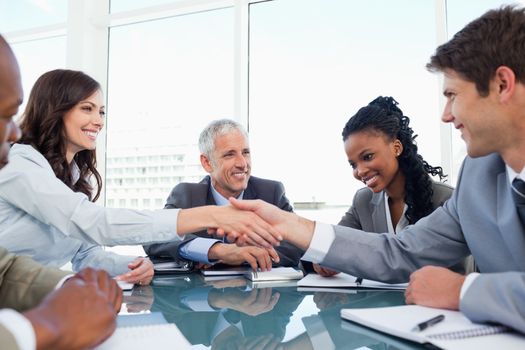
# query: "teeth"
[[369, 180], [91, 133]]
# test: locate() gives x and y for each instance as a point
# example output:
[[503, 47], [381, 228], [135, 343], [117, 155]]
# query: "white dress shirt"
[[43, 218]]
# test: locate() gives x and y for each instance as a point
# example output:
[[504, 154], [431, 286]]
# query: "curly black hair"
[[382, 115]]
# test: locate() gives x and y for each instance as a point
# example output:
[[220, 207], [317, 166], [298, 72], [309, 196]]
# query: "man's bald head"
[[10, 99]]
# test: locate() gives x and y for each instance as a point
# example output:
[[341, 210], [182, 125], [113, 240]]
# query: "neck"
[[396, 188], [69, 156]]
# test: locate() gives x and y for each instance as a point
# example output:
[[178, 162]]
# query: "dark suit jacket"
[[190, 195]]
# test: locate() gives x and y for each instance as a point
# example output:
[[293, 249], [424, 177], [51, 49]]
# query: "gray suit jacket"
[[190, 195], [368, 208], [23, 284], [481, 218]]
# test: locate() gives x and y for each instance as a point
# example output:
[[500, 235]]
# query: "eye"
[[352, 164], [102, 114], [87, 108], [247, 153], [450, 95], [368, 157]]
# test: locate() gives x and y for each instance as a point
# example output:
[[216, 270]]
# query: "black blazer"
[[190, 195]]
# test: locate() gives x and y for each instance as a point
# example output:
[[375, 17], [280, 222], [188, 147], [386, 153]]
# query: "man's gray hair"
[[217, 128]]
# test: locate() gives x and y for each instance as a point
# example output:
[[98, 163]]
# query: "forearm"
[[502, 296], [196, 219], [297, 230]]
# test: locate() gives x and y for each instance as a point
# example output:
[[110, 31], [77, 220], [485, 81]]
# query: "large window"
[[26, 14], [167, 79], [313, 64], [36, 57]]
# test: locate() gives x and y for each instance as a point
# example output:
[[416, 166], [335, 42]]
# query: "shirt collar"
[[219, 199], [512, 174], [75, 172]]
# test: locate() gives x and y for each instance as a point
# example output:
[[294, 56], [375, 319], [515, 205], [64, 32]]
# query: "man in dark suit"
[[225, 155], [81, 313], [484, 86]]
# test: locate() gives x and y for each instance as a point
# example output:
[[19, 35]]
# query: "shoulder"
[[188, 194], [260, 183], [364, 195], [441, 192], [492, 163], [20, 153]]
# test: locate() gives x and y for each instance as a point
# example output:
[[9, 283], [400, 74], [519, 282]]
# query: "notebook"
[[275, 274], [143, 331], [226, 271], [454, 332], [343, 280]]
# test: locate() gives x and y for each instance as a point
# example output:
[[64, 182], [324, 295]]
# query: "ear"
[[398, 147], [206, 164], [505, 81]]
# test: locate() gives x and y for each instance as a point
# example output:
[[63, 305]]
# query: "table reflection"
[[234, 313]]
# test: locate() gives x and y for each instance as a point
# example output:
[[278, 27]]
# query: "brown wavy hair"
[[54, 94]]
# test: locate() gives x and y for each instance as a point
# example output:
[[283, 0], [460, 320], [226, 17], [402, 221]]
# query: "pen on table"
[[428, 323]]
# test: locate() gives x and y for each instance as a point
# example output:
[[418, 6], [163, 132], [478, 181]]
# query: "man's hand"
[[435, 287], [141, 272], [80, 314], [292, 227], [230, 254], [141, 299], [253, 303], [324, 271]]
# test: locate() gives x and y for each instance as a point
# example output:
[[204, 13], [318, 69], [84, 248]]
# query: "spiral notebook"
[[454, 332], [145, 331]]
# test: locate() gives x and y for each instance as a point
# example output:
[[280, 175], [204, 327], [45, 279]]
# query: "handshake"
[[255, 222]]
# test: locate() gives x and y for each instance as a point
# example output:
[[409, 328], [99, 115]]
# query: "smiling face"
[[83, 123], [230, 164], [474, 116], [373, 158], [10, 99]]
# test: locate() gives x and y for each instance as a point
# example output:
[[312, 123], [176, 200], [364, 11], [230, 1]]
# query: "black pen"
[[424, 325]]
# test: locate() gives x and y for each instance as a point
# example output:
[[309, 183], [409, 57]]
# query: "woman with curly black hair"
[[380, 147]]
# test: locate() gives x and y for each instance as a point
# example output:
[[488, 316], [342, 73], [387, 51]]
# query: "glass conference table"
[[235, 313]]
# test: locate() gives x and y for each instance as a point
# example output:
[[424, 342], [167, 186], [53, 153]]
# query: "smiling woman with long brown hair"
[[47, 211]]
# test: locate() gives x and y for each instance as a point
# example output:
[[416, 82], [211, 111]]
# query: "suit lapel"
[[378, 212], [249, 192], [509, 222]]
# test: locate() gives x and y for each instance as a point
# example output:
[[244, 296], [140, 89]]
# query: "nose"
[[241, 161], [98, 121], [359, 171], [447, 116], [14, 133]]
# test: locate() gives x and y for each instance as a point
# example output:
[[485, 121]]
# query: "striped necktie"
[[518, 194]]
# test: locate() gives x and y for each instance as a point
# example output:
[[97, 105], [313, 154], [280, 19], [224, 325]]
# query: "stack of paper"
[[143, 331], [275, 274], [342, 280]]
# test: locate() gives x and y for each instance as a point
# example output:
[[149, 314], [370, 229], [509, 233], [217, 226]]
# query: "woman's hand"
[[141, 272]]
